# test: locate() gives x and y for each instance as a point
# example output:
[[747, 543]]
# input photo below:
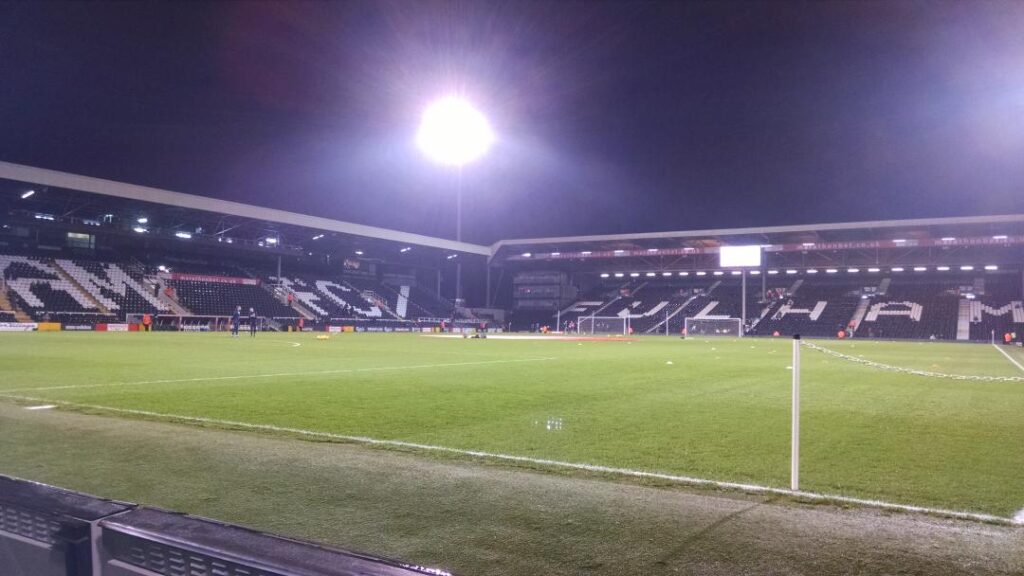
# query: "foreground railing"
[[47, 531]]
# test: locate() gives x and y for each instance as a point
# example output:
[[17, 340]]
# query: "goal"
[[713, 327], [602, 325]]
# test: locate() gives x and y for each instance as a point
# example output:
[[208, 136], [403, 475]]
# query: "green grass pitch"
[[717, 409]]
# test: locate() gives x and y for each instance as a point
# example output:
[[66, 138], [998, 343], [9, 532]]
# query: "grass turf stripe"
[[1018, 519]]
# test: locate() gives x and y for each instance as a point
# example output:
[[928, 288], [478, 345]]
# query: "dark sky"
[[611, 117]]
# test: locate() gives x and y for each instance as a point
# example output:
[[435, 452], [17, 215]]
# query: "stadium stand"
[[997, 308], [112, 286], [332, 299], [207, 298], [35, 286], [820, 307], [430, 304], [913, 308], [78, 319]]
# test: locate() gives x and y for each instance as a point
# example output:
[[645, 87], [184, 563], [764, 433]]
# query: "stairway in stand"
[[78, 286], [7, 306]]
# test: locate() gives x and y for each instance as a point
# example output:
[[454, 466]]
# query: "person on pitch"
[[252, 322], [236, 319]]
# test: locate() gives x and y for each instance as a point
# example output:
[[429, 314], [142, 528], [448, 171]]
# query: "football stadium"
[[200, 384]]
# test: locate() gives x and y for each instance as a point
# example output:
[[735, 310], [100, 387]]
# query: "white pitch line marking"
[[756, 488], [276, 342], [43, 407], [1008, 357], [279, 374]]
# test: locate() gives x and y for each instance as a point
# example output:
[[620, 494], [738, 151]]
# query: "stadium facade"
[[85, 253]]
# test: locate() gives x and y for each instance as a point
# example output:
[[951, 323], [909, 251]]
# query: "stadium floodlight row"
[[791, 271]]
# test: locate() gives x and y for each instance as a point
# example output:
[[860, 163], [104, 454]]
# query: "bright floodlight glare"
[[27, 194], [453, 132]]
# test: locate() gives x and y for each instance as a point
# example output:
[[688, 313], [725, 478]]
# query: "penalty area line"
[[1008, 357], [280, 374], [1018, 519]]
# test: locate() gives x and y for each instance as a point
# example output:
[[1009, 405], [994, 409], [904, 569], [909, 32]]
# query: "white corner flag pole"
[[794, 473]]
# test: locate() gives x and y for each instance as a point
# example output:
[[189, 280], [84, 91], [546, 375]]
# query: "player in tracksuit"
[[236, 319], [252, 323]]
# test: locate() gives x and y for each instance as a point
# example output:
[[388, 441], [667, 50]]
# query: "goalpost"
[[713, 326], [602, 325]]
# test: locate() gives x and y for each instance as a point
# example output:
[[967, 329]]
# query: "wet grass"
[[720, 410]]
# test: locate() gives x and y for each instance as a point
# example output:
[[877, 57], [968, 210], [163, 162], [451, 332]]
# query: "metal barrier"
[[47, 531]]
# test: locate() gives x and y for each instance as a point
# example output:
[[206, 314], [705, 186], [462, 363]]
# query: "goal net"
[[602, 325], [713, 327]]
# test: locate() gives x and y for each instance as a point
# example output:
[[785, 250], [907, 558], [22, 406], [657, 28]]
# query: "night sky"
[[610, 117]]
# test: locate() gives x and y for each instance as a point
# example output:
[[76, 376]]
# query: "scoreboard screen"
[[740, 256]]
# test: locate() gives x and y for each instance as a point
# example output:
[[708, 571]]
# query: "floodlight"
[[967, 268], [586, 253], [999, 237], [812, 270], [619, 274], [140, 229], [525, 254], [271, 240], [897, 269], [790, 271], [942, 268], [556, 253], [183, 235], [652, 249], [702, 273], [318, 236], [755, 272], [634, 274], [453, 132], [831, 271], [991, 267], [920, 269], [666, 273], [28, 194], [718, 272], [650, 274], [142, 220], [735, 272], [773, 272], [359, 252], [684, 273], [874, 269], [948, 239], [853, 270], [604, 275]]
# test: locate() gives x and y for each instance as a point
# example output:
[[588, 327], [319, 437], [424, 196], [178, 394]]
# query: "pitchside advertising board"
[[18, 326]]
